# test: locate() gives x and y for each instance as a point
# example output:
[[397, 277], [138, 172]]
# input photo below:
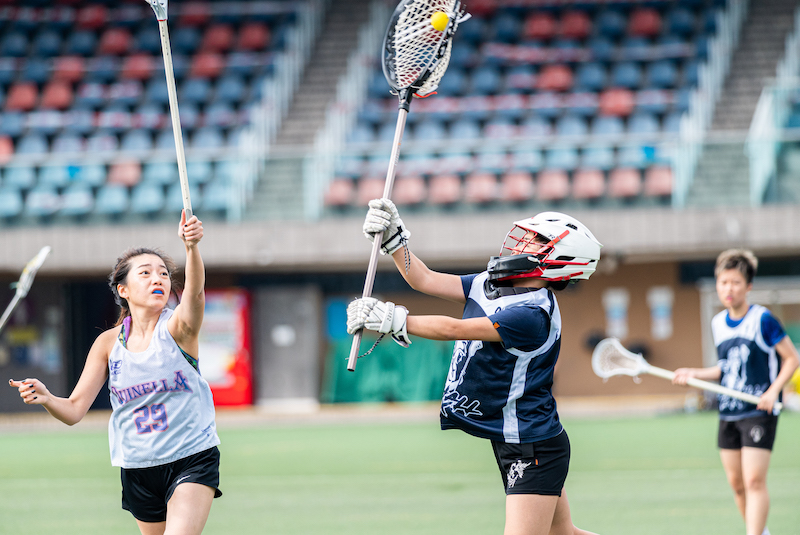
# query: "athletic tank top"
[[163, 409]]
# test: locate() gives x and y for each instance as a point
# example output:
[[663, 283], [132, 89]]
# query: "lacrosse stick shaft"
[[9, 309], [176, 119], [712, 387], [376, 245]]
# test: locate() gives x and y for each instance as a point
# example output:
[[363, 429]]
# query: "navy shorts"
[[146, 491], [534, 468], [755, 432]]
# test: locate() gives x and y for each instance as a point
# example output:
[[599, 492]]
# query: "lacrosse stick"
[[610, 358], [25, 282], [160, 8], [415, 57]]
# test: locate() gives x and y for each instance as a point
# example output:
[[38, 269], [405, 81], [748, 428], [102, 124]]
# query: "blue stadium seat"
[[114, 119], [372, 112], [691, 73], [165, 139], [492, 161], [102, 142], [147, 198], [643, 123], [11, 203], [42, 201], [475, 32], [93, 175], [216, 197], [602, 48], [679, 21], [79, 121], [174, 198], [245, 64], [19, 177], [14, 44], [506, 28], [125, 93], [136, 140], [46, 122], [90, 95], [148, 40], [150, 116], [12, 123], [103, 69], [221, 115], [520, 79], [81, 43], [196, 90], [160, 172], [590, 76], [626, 74], [68, 142], [485, 81], [386, 131], [530, 160], [77, 200], [35, 70], [8, 70], [112, 200], [672, 122], [186, 39], [611, 23], [361, 133], [463, 54], [546, 104], [682, 99], [378, 87], [228, 170], [633, 156], [465, 129], [535, 126], [56, 176], [582, 103], [207, 137], [199, 171], [634, 48], [453, 83], [230, 89], [601, 158], [652, 101], [429, 131], [500, 128], [47, 43], [190, 116], [607, 125], [661, 74], [565, 159], [572, 125], [32, 144], [156, 91]]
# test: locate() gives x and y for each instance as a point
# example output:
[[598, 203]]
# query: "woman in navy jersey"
[[499, 386], [754, 356], [162, 432]]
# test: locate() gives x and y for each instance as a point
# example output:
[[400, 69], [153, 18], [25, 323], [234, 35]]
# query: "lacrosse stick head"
[[415, 54], [26, 279], [610, 358], [160, 8]]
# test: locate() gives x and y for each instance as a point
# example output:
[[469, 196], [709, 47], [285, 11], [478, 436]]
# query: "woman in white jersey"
[[754, 356], [162, 432], [499, 386]]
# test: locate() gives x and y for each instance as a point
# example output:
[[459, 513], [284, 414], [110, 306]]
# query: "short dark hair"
[[742, 260]]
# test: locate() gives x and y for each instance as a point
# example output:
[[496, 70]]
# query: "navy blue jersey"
[[747, 357], [502, 390]]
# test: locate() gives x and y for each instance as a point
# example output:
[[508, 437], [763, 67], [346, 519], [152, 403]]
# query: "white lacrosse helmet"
[[572, 250]]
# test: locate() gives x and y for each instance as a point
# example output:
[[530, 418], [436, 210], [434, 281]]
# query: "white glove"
[[384, 217], [384, 317]]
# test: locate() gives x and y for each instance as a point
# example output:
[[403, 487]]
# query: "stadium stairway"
[[723, 170], [279, 194]]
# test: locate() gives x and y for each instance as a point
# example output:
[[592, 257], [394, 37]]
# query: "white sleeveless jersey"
[[163, 409]]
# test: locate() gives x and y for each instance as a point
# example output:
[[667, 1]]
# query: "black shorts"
[[534, 468], [755, 432], [146, 491]]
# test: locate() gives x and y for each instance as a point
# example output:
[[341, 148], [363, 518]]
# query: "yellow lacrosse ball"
[[439, 21]]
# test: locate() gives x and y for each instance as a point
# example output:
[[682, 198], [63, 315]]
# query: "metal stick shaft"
[[176, 119], [376, 246], [9, 309]]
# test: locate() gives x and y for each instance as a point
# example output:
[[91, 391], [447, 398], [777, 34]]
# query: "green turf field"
[[653, 475]]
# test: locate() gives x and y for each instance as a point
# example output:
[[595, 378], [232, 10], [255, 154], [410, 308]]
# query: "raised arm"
[[384, 217], [71, 410], [185, 323]]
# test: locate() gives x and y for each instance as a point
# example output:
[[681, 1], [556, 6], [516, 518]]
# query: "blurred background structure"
[[668, 127]]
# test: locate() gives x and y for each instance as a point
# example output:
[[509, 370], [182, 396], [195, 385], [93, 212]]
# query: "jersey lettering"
[[124, 395], [150, 418]]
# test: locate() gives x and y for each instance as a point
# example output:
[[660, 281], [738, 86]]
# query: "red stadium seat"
[[218, 38], [340, 192], [552, 185], [368, 188], [575, 25], [194, 14], [644, 22], [92, 17], [68, 68], [6, 149], [206, 65], [517, 186], [624, 183], [409, 190], [617, 101], [115, 42], [444, 189], [482, 8], [540, 26], [22, 96], [554, 78], [57, 95], [254, 37], [658, 181], [588, 184], [127, 173], [480, 187], [138, 67]]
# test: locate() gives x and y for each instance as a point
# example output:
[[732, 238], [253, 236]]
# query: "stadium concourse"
[[668, 127]]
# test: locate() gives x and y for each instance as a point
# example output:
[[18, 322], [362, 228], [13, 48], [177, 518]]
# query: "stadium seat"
[[14, 44], [140, 66], [480, 187], [93, 175], [617, 101], [464, 129], [590, 76], [8, 70], [572, 125], [218, 38], [429, 131], [81, 43], [492, 161], [92, 17], [110, 121], [626, 74], [546, 104], [485, 81], [174, 199], [610, 23], [221, 115], [409, 190], [643, 123], [150, 116], [369, 187], [11, 203], [520, 79], [452, 161], [68, 69], [661, 74], [652, 101], [540, 25], [624, 183], [253, 36], [207, 65], [125, 173], [91, 95], [680, 21], [506, 29], [195, 14], [160, 172], [19, 177], [607, 125], [102, 69], [196, 90], [463, 55], [516, 186], [535, 126], [644, 22], [22, 96], [165, 138], [601, 48], [454, 83], [112, 200], [207, 137], [552, 185], [554, 78], [500, 128], [6, 149], [77, 200], [36, 70], [199, 171], [136, 140], [510, 106], [147, 199], [597, 158], [575, 24], [658, 181], [632, 156], [42, 201], [340, 192], [444, 189], [147, 41], [588, 184], [45, 121], [585, 104], [125, 93], [561, 158], [78, 121], [32, 144], [672, 123], [245, 64], [231, 89], [56, 176], [186, 39], [216, 197], [529, 160], [115, 41]]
